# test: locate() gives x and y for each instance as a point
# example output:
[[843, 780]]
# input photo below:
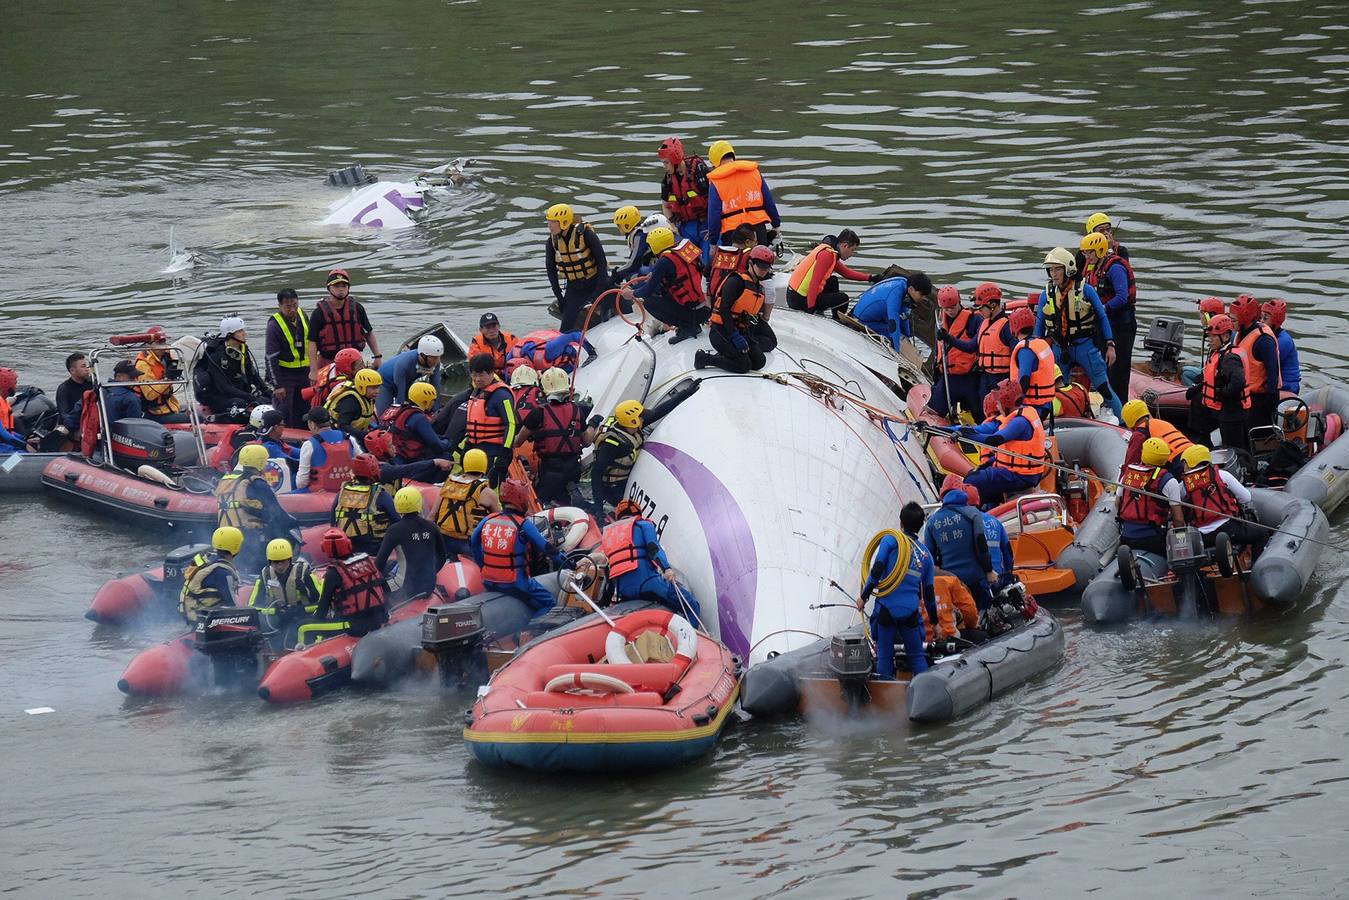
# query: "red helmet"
[[762, 254], [951, 482], [1212, 306], [948, 297], [990, 404], [1276, 310], [346, 359], [986, 293], [1009, 393], [1021, 320], [627, 508], [1221, 325], [671, 150], [1245, 309], [380, 443], [971, 493], [514, 493], [9, 380], [336, 544], [365, 466]]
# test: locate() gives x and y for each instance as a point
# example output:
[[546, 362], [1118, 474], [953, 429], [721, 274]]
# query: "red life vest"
[[340, 329], [561, 431], [1256, 373], [484, 428], [958, 362], [528, 397], [618, 546], [327, 382], [1098, 277], [1206, 491], [405, 441], [725, 260], [533, 350], [360, 587], [336, 468], [1143, 509], [90, 425], [1042, 387], [499, 535], [681, 191], [687, 287], [478, 346], [1072, 402], [994, 357], [1208, 392]]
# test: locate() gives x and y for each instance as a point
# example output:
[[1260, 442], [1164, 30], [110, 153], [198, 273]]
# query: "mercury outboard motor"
[[230, 637], [136, 442]]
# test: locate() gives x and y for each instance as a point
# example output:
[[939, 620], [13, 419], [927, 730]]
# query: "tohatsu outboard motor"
[[137, 442]]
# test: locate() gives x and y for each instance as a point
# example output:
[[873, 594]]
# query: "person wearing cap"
[[739, 334], [421, 363], [324, 440], [814, 285], [737, 194], [1222, 398], [269, 434], [560, 432], [337, 322], [491, 340], [225, 376], [155, 364], [886, 307], [121, 399], [287, 354]]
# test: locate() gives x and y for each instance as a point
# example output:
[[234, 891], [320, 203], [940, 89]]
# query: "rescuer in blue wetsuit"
[[901, 575], [499, 548], [955, 535], [638, 567], [886, 307], [1273, 313], [403, 370], [1072, 318]]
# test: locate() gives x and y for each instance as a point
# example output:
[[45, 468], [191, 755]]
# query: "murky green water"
[[964, 141]]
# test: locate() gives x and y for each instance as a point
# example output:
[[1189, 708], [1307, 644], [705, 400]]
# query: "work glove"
[[738, 341], [943, 335], [1192, 391]]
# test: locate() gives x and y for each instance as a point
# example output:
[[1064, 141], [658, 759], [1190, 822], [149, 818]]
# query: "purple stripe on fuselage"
[[730, 543]]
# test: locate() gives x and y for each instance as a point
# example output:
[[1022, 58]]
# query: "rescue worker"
[[737, 195], [225, 376], [728, 258], [638, 566], [673, 293], [559, 431], [993, 359], [902, 576], [955, 536], [1221, 399], [247, 502], [684, 190], [1070, 397], [287, 354], [1149, 499], [491, 340], [155, 364], [353, 593], [956, 349], [575, 254], [1113, 278], [409, 425], [1216, 500], [1032, 363], [1273, 313], [352, 406], [525, 389], [492, 420], [420, 364], [269, 435], [814, 285], [1260, 355], [1208, 308], [464, 500], [327, 448], [1071, 317], [886, 308], [500, 543], [363, 509], [379, 444], [628, 221], [211, 579], [71, 391], [1018, 439], [121, 399], [995, 533], [339, 321], [1143, 425], [421, 551], [335, 374], [620, 441], [287, 589], [1099, 223], [739, 334]]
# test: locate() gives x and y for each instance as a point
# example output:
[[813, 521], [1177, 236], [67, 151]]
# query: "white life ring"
[[577, 521], [662, 620], [594, 681]]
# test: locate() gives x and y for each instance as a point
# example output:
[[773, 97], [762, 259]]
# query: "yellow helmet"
[[422, 395], [627, 218], [228, 539], [475, 462], [1156, 452], [1061, 257], [407, 500], [253, 456], [1196, 456], [554, 382], [279, 550], [658, 240], [1095, 243], [561, 214], [1134, 410], [629, 414], [718, 151], [366, 379], [1096, 220]]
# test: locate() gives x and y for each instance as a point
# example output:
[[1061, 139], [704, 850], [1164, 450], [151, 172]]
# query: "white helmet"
[[554, 383], [524, 375], [231, 324], [656, 220], [430, 345], [255, 417]]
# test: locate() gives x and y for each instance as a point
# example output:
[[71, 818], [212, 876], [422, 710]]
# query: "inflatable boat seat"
[[656, 677], [545, 700]]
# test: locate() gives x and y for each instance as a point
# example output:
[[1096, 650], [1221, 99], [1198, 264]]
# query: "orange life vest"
[[748, 304], [740, 187], [725, 260], [823, 254], [687, 287], [484, 428], [1033, 446], [159, 399], [1208, 392], [499, 535], [360, 587], [618, 546], [479, 347], [1139, 508], [1256, 373], [6, 414], [1179, 443], [958, 362], [1210, 500], [995, 357], [341, 328], [1042, 387], [328, 381]]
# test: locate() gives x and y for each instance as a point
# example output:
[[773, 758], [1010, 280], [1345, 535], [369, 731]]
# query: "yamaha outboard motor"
[[136, 442], [230, 637]]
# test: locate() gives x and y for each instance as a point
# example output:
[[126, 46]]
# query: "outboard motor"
[[454, 634], [852, 661], [176, 563], [1165, 340], [136, 442], [230, 637]]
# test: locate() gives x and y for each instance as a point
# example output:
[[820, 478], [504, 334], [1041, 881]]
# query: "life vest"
[[367, 406], [196, 594], [1208, 391], [1098, 277], [6, 414], [405, 442], [90, 422], [1208, 498], [360, 587], [459, 511], [681, 192], [725, 260], [1178, 442], [804, 273], [1256, 373], [532, 349], [328, 382], [1138, 508], [236, 507], [336, 468], [630, 445], [528, 397], [561, 431], [341, 328], [358, 513], [1033, 446], [958, 362], [479, 347], [618, 546], [296, 350], [272, 591], [1072, 402], [1072, 318], [740, 187], [994, 356], [745, 307], [687, 287], [484, 428], [500, 533], [1042, 387], [159, 399], [572, 253]]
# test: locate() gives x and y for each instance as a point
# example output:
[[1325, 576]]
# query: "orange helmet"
[[335, 543], [365, 466]]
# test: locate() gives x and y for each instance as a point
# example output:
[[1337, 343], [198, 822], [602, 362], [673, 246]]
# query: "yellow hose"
[[891, 581]]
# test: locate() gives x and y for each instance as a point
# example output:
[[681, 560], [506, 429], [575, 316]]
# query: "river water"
[[1205, 760]]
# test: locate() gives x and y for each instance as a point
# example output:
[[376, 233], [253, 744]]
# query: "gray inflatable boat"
[[1324, 480], [1099, 447]]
